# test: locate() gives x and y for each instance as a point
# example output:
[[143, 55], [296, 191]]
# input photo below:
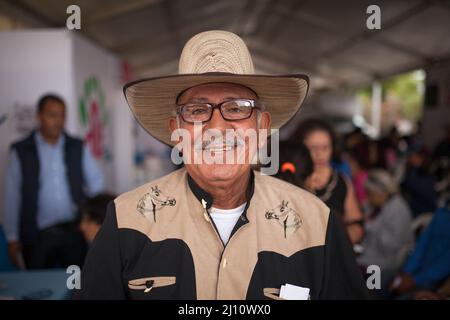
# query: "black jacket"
[[158, 242]]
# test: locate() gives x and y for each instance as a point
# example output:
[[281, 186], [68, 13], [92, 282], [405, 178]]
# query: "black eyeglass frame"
[[212, 106]]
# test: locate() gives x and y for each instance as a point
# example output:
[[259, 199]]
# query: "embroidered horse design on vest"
[[286, 217], [154, 201]]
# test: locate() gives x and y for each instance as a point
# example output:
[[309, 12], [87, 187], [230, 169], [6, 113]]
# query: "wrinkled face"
[[51, 119], [220, 147], [320, 147]]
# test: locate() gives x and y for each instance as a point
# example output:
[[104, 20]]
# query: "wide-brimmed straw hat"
[[209, 57]]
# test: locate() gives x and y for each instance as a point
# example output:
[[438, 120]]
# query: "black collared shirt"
[[202, 195]]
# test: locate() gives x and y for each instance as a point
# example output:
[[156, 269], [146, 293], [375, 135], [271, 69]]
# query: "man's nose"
[[217, 121]]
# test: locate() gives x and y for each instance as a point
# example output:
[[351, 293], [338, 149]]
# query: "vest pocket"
[[272, 293], [146, 285]]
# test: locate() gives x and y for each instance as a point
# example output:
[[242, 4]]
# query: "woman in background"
[[328, 184]]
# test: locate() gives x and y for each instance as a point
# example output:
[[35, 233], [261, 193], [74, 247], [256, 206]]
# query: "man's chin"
[[221, 172]]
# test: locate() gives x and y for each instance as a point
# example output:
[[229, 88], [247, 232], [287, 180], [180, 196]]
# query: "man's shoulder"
[[398, 209], [72, 139], [291, 207], [23, 142], [135, 207], [168, 182], [285, 190], [278, 185]]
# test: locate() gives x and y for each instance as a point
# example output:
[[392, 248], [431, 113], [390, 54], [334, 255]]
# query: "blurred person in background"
[[443, 293], [359, 171], [390, 149], [296, 165], [428, 267], [441, 166], [442, 149], [48, 175], [418, 183], [354, 138], [328, 184], [5, 263], [92, 215], [388, 231]]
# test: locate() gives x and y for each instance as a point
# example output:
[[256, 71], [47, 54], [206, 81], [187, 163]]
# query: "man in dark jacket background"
[[48, 175]]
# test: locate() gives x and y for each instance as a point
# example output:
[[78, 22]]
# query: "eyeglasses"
[[231, 110]]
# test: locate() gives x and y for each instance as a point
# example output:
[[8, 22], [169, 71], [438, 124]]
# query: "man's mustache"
[[218, 141]]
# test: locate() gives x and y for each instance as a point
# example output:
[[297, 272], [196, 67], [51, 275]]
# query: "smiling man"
[[217, 229]]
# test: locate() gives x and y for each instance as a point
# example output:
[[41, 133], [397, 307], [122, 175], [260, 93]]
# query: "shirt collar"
[[202, 195], [41, 141]]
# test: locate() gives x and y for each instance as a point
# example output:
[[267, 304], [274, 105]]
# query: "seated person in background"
[[92, 215], [442, 149], [295, 163], [429, 264], [442, 293], [5, 263], [418, 183], [387, 225]]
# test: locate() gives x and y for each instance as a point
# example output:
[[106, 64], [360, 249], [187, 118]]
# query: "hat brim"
[[152, 101]]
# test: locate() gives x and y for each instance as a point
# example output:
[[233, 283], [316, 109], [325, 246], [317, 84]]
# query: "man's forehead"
[[227, 90]]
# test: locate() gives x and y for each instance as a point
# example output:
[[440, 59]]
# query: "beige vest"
[[282, 218]]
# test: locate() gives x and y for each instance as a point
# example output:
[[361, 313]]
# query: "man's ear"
[[265, 120], [264, 124], [172, 123]]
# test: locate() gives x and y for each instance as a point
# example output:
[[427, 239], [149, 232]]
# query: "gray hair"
[[381, 181]]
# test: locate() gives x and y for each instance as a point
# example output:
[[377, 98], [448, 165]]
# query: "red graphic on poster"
[[93, 117], [94, 136]]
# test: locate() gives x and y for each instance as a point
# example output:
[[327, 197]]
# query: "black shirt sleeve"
[[101, 276], [342, 277]]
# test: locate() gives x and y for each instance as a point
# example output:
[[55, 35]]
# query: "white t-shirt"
[[225, 220]]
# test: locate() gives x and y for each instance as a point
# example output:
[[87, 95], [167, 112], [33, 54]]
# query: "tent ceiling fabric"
[[325, 39]]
